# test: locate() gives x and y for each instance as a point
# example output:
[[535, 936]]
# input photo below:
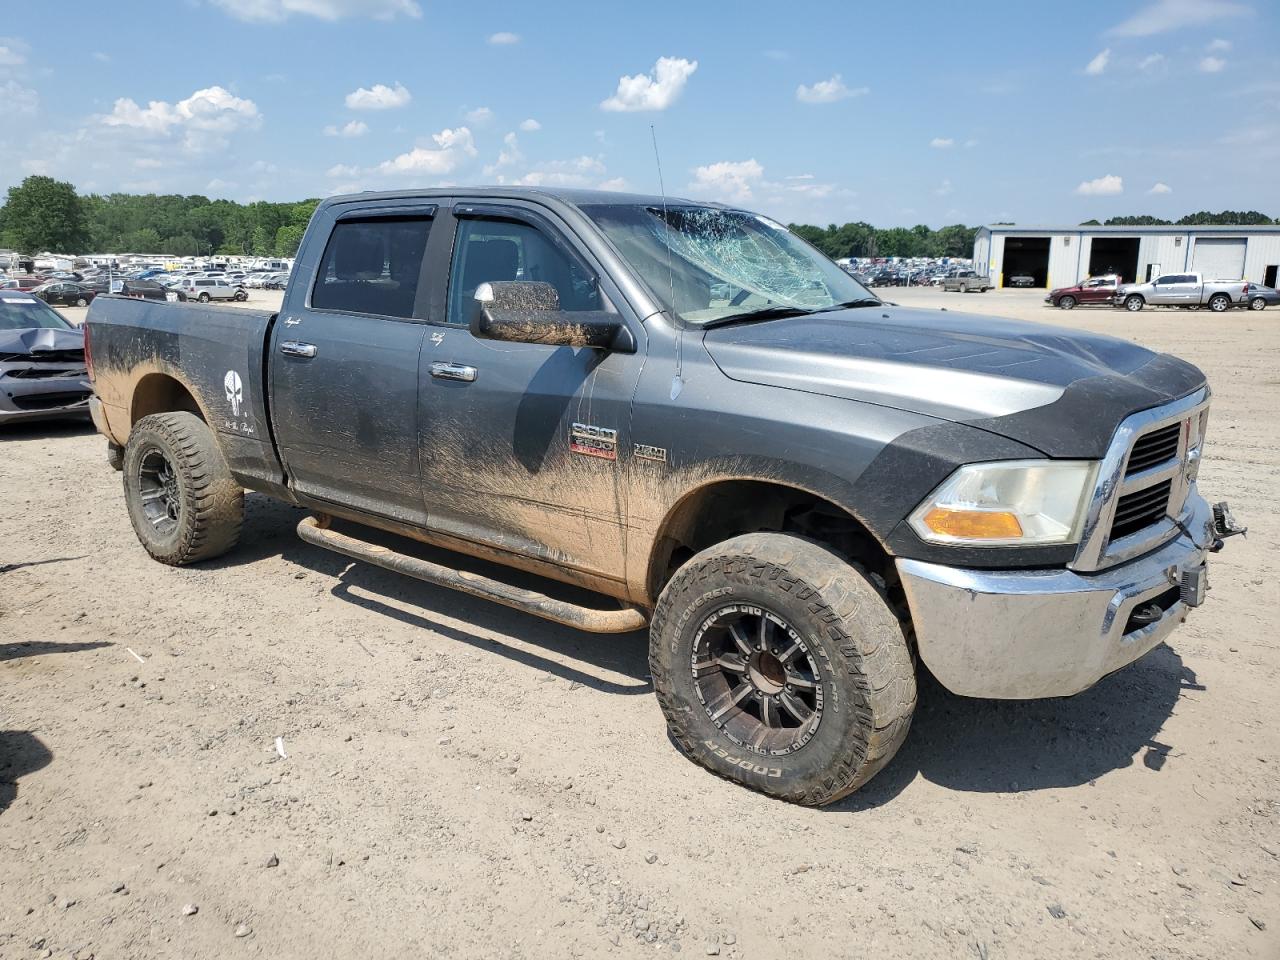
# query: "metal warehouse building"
[[1062, 256]]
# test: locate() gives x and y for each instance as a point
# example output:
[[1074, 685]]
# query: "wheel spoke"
[[740, 639], [763, 640], [151, 496], [769, 713], [786, 655], [731, 701], [800, 682], [732, 663], [795, 706]]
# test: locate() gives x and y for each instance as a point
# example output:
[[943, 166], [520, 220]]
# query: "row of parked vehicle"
[[73, 289], [1190, 291]]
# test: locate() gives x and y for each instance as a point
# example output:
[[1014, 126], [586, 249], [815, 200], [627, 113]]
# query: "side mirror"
[[528, 311]]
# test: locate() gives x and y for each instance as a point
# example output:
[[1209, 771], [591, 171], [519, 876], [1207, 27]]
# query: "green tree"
[[44, 214], [288, 239], [146, 240]]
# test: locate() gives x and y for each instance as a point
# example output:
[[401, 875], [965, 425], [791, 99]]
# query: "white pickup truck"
[[1189, 290]]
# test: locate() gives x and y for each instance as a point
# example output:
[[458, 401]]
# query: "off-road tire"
[[861, 657], [210, 503], [115, 456]]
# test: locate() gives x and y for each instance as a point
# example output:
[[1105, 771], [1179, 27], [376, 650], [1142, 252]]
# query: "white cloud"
[[941, 143], [1161, 188], [508, 156], [13, 52], [1163, 16], [379, 97], [1098, 65], [217, 184], [273, 11], [355, 128], [828, 91], [148, 163], [1107, 186], [944, 188], [727, 180], [615, 183], [451, 148], [530, 125], [504, 39], [1151, 60], [655, 91], [1218, 45], [19, 99], [213, 109], [479, 115], [342, 170], [583, 171], [1211, 65]]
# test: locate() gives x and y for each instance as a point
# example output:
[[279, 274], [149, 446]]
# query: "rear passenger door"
[[344, 361], [521, 442]]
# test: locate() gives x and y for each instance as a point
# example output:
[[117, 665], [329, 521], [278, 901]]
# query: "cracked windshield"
[[711, 265]]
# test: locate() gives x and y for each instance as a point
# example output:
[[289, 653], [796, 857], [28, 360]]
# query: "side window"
[[372, 266], [487, 250], [1164, 280]]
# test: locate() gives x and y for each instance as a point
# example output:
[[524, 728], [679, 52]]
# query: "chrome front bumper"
[[1022, 634]]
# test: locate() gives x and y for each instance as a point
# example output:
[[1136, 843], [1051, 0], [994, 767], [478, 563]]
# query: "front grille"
[[45, 373], [1140, 509], [47, 401], [1155, 448], [56, 356]]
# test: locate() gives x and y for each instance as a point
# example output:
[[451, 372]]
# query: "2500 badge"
[[593, 441]]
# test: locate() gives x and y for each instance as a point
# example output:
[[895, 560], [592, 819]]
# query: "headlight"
[[1009, 503]]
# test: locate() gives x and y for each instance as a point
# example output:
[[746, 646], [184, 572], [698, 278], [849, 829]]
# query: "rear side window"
[[372, 266]]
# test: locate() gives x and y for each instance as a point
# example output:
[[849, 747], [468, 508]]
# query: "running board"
[[315, 530]]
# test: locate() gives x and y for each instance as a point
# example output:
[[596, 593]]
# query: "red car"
[[24, 282], [1095, 290]]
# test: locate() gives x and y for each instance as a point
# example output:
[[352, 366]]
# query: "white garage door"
[[1219, 259]]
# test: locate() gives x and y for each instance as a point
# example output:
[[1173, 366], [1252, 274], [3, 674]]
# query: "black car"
[[138, 289], [64, 293]]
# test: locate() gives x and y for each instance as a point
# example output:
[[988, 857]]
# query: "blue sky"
[[896, 113]]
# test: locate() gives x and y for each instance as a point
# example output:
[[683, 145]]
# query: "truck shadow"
[[21, 753], [74, 426], [269, 531], [1011, 746], [38, 648]]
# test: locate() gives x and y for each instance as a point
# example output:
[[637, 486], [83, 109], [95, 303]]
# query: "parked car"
[[64, 294], [826, 489], [1022, 280], [1260, 296], [24, 282], [205, 289], [1094, 291], [150, 290], [1183, 290], [966, 281], [276, 281], [42, 366]]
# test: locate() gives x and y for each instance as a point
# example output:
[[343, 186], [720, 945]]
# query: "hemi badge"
[[592, 441], [646, 452]]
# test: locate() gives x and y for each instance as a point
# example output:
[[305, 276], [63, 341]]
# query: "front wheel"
[[1219, 302], [1067, 303], [1258, 303], [82, 302], [782, 667], [1134, 303], [183, 502], [203, 298], [241, 296]]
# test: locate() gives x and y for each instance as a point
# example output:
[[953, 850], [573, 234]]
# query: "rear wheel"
[[1134, 303], [203, 298], [1219, 302], [82, 302], [1258, 303], [782, 667], [183, 502], [1067, 303]]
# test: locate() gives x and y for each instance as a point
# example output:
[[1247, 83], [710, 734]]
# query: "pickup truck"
[[798, 488], [966, 281], [1187, 290]]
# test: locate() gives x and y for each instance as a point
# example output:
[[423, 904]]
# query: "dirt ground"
[[460, 780]]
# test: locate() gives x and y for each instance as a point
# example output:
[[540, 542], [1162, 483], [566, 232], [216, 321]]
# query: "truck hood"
[[993, 373], [37, 340]]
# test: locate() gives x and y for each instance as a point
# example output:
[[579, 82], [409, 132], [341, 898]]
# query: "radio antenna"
[[677, 384]]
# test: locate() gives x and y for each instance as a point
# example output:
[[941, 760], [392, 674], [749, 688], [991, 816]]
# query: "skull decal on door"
[[235, 391]]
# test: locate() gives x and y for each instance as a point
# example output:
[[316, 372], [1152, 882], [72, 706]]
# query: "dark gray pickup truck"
[[683, 407]]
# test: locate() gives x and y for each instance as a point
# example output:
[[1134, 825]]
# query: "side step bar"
[[315, 530]]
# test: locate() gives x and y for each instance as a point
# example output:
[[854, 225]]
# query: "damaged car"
[[42, 365]]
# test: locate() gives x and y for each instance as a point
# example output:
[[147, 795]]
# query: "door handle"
[[453, 371], [296, 348]]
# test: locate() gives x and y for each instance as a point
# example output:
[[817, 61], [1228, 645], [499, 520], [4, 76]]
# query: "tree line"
[[42, 214]]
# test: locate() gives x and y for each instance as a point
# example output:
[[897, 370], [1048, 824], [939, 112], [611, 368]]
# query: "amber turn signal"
[[973, 524]]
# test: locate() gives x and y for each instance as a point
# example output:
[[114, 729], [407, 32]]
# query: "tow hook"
[[1224, 525]]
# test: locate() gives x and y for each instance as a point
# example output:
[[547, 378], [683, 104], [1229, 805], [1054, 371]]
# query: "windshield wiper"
[[860, 302], [778, 312]]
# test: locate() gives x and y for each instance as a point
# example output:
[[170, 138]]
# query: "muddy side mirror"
[[528, 311]]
